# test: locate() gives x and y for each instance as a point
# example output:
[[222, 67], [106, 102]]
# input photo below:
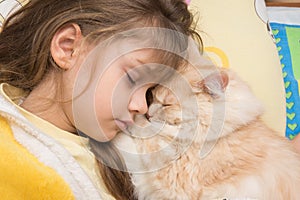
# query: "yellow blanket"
[[33, 165], [23, 176]]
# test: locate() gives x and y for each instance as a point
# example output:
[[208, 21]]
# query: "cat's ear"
[[215, 83]]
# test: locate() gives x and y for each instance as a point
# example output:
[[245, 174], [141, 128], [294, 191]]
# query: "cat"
[[208, 142]]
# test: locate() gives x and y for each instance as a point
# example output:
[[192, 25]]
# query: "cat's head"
[[220, 102]]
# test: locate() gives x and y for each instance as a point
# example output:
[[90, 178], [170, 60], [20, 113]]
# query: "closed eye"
[[130, 79]]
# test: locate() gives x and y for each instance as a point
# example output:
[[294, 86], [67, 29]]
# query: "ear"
[[64, 43], [215, 83]]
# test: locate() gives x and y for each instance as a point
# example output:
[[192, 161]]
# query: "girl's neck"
[[44, 103]]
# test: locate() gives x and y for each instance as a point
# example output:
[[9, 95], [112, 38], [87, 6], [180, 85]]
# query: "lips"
[[123, 125]]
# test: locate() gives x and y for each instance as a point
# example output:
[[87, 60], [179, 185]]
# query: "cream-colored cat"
[[207, 141]]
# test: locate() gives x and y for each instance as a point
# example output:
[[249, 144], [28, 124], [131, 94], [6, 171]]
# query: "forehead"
[[141, 56], [148, 55], [149, 63]]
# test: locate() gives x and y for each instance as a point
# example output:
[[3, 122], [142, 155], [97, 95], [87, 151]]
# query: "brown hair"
[[25, 41]]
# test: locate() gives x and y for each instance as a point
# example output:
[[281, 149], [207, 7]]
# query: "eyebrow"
[[139, 62]]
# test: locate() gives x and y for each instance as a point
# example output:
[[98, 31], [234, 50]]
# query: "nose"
[[138, 102]]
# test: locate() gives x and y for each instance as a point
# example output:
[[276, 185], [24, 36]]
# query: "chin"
[[109, 135]]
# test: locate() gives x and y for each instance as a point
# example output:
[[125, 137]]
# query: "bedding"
[[8, 6]]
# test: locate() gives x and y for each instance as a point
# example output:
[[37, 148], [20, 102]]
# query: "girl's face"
[[107, 97]]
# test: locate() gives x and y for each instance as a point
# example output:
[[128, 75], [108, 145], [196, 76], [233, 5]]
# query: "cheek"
[[111, 99], [102, 105]]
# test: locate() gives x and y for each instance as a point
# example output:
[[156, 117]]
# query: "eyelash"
[[130, 79]]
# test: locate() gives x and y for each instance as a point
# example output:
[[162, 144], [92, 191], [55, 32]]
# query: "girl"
[[61, 62]]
